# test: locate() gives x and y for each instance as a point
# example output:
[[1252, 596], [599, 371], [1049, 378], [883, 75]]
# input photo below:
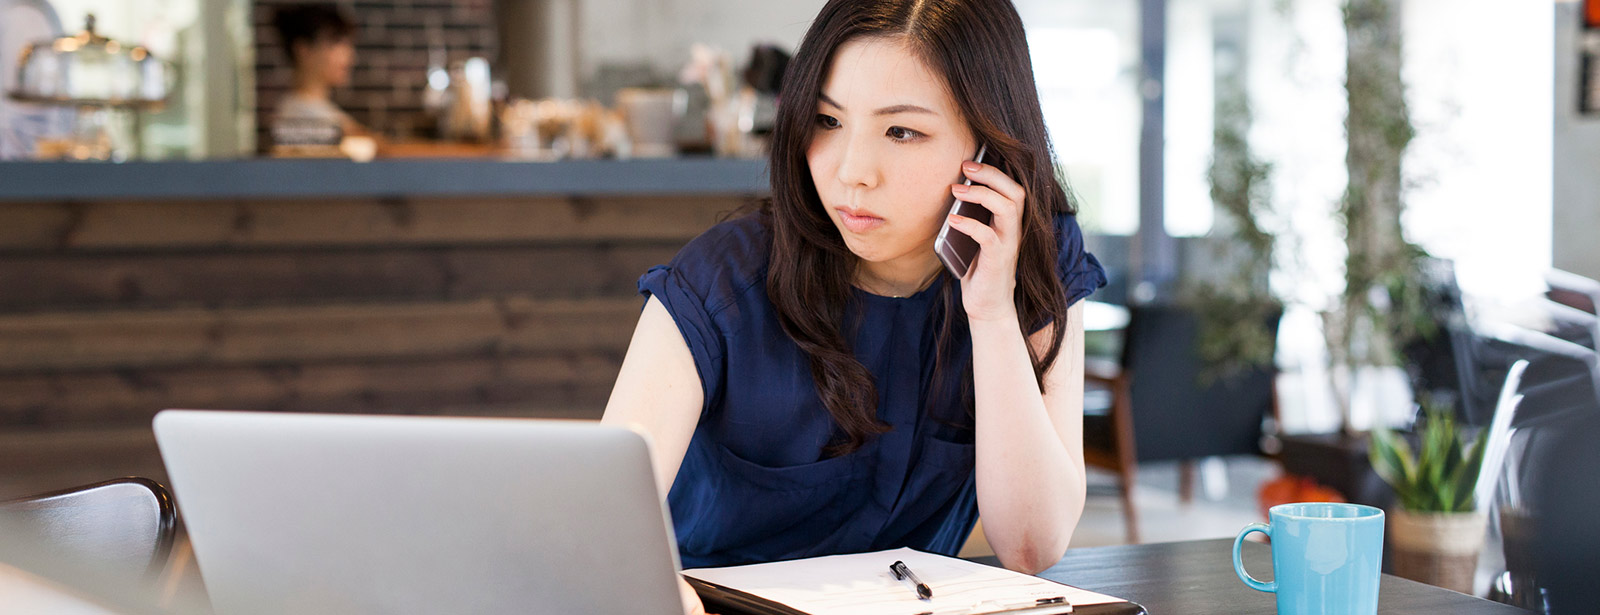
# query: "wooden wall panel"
[[112, 311], [144, 280], [362, 222], [573, 385], [289, 335], [35, 226]]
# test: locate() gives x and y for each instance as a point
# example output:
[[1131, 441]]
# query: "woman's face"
[[328, 60], [887, 143]]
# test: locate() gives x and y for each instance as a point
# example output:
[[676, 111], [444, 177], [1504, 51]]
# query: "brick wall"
[[385, 91]]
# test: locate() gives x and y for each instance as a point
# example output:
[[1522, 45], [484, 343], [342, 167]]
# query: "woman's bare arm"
[[658, 391], [1030, 469]]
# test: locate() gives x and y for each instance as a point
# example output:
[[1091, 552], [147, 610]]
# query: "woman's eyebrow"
[[891, 110]]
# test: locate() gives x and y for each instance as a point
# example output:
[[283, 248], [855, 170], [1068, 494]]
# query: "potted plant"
[[1435, 531], [1382, 305]]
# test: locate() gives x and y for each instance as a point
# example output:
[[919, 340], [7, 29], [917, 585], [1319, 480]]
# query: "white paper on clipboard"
[[861, 584]]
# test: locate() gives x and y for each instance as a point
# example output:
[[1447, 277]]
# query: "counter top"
[[302, 178]]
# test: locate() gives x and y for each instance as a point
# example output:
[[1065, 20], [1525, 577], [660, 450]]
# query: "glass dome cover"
[[89, 69]]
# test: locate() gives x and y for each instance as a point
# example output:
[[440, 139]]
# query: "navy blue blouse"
[[754, 485]]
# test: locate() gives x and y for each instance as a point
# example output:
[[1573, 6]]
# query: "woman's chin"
[[867, 251], [872, 252]]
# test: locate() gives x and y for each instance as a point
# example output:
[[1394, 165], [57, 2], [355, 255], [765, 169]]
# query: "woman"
[[812, 378], [319, 39]]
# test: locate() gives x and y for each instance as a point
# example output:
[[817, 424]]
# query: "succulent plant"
[[1441, 476]]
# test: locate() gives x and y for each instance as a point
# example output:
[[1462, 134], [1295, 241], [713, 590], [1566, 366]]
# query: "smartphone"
[[958, 251]]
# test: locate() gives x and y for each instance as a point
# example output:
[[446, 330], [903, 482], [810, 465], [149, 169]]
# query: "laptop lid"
[[311, 513]]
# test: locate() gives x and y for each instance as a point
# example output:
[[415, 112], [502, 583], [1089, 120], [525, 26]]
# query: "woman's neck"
[[310, 87], [898, 278]]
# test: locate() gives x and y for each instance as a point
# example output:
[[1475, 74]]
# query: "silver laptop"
[[309, 513]]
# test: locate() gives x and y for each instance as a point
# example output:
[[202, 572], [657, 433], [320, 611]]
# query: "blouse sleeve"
[[688, 308], [1080, 272]]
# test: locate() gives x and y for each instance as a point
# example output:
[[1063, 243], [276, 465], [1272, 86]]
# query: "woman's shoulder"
[[726, 260]]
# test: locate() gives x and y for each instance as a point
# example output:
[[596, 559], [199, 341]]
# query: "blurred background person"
[[319, 39]]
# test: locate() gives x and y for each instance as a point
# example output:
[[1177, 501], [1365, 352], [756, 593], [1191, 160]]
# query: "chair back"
[[123, 527], [1454, 364], [1546, 499], [1499, 438], [1176, 413]]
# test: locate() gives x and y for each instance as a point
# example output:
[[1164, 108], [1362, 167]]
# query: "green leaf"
[[1391, 457], [1437, 439], [1449, 460], [1420, 501], [1429, 475], [1452, 452], [1464, 479]]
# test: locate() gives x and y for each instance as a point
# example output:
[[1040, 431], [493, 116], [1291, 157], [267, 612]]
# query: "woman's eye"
[[827, 121], [903, 134]]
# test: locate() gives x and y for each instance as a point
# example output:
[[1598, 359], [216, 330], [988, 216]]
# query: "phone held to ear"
[[958, 251]]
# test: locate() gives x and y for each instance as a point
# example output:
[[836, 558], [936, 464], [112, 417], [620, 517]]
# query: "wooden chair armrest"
[[1101, 370]]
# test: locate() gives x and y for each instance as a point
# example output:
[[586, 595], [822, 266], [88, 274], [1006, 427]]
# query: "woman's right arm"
[[658, 391]]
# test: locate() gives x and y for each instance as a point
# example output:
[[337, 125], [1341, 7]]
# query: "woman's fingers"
[[978, 231], [691, 600], [993, 178], [1007, 213]]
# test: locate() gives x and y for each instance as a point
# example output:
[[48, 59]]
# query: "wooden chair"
[[123, 527], [1108, 434]]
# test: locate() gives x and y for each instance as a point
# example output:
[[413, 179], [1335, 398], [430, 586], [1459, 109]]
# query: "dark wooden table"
[[1196, 578]]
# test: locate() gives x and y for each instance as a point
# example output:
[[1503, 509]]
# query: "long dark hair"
[[979, 47]]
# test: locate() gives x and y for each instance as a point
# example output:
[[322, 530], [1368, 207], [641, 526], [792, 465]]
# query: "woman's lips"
[[860, 222]]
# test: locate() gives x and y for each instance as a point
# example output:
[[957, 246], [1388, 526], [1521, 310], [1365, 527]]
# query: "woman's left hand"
[[988, 291]]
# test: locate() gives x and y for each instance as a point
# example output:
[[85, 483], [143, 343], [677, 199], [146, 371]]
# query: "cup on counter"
[[1326, 558], [359, 148], [650, 117]]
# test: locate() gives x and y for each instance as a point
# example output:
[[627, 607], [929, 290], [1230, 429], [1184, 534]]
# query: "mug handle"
[[1238, 564]]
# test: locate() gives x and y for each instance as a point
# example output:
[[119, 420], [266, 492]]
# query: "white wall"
[[1576, 221], [661, 31], [1189, 108], [1479, 85]]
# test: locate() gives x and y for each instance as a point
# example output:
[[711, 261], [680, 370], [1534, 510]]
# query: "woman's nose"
[[858, 166]]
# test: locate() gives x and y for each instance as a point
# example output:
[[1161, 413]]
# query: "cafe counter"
[[408, 286], [309, 178]]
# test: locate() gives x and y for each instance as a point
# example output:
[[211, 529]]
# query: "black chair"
[[1545, 516], [123, 527], [1162, 409], [1457, 364], [1465, 362]]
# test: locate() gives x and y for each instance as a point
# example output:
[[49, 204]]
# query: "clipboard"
[[844, 584]]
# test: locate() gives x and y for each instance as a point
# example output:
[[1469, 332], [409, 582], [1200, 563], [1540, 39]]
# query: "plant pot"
[[1437, 548]]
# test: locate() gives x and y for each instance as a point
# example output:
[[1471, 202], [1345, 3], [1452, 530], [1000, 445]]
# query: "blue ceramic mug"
[[1326, 558]]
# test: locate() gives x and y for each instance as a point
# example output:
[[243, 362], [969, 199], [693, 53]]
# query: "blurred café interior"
[[1319, 224]]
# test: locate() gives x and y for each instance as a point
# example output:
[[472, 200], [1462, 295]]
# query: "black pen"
[[903, 573]]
